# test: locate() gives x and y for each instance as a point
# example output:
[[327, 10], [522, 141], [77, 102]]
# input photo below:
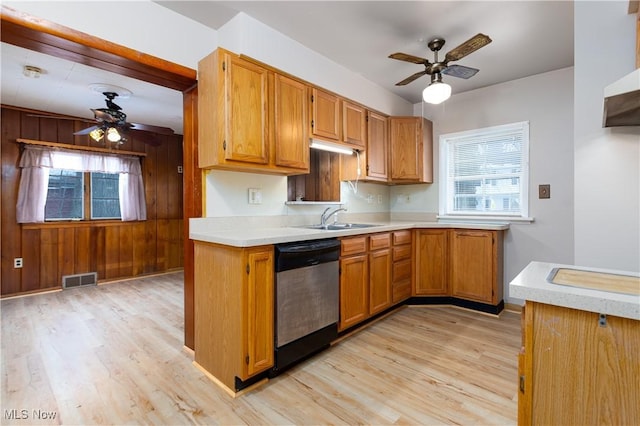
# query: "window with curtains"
[[58, 184], [66, 198], [485, 172]]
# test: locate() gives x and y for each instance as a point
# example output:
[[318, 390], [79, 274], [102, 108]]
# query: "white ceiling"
[[528, 38]]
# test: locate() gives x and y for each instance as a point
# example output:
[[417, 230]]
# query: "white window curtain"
[[34, 181]]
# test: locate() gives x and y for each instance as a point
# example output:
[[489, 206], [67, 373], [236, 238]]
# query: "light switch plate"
[[544, 191], [255, 196]]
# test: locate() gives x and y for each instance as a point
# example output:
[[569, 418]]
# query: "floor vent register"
[[79, 280]]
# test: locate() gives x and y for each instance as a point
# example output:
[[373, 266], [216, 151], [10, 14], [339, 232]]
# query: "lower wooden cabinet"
[[375, 273], [576, 370], [476, 265], [233, 312], [379, 272], [463, 263], [402, 266], [354, 290], [432, 254]]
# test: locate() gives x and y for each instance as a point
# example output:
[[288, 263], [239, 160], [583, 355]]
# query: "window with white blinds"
[[485, 172]]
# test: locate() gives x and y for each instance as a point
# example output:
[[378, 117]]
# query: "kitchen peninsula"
[[580, 362], [381, 268]]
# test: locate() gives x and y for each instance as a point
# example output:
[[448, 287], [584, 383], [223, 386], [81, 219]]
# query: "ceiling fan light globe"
[[436, 93], [97, 134], [113, 135]]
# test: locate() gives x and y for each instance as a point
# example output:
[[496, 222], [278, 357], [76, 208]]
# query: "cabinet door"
[[472, 265], [246, 87], [579, 372], [377, 147], [258, 325], [326, 115], [379, 280], [354, 284], [431, 262], [290, 116], [354, 125], [406, 148]]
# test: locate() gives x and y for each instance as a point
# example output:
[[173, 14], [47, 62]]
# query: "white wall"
[[246, 35], [607, 161], [546, 101]]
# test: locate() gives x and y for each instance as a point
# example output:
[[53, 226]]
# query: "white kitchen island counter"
[[215, 230], [532, 285]]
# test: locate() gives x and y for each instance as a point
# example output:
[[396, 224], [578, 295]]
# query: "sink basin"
[[340, 226]]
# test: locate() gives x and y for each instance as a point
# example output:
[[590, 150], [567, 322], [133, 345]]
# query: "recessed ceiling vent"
[[79, 280]]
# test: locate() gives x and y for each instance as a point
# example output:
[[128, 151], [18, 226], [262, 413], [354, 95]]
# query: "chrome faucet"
[[325, 217]]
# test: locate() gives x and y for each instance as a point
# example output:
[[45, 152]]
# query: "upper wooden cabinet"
[[354, 125], [291, 111], [377, 164], [338, 120], [325, 121], [249, 117], [399, 150], [374, 164], [410, 150]]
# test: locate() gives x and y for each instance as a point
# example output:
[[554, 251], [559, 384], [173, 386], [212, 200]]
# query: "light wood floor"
[[113, 354]]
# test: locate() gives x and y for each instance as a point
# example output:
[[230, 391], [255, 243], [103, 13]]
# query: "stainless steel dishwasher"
[[307, 287]]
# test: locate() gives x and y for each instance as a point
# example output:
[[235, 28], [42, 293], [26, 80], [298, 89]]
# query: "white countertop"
[[531, 284], [202, 229]]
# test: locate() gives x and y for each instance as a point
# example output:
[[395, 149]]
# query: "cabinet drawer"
[[401, 270], [401, 252], [355, 245], [401, 237], [379, 241], [400, 291]]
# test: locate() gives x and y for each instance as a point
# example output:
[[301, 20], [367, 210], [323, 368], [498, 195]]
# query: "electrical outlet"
[[179, 169], [255, 196], [379, 198], [370, 199], [17, 262], [544, 191]]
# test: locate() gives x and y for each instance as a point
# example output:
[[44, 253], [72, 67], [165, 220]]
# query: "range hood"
[[622, 102]]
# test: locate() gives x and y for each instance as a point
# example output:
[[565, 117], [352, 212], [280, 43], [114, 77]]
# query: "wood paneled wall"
[[113, 249], [322, 183]]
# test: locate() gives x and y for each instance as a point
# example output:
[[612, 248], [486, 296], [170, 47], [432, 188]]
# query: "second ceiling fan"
[[437, 91]]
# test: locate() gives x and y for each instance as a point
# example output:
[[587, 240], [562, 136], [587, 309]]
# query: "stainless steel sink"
[[340, 226]]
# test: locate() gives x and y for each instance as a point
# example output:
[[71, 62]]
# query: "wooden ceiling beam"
[[40, 35]]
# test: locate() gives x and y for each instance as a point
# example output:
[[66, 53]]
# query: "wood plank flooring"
[[113, 354]]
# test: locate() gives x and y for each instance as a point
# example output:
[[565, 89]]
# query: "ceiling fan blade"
[[408, 58], [103, 116], [474, 43], [411, 78], [86, 131], [460, 71], [149, 128]]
